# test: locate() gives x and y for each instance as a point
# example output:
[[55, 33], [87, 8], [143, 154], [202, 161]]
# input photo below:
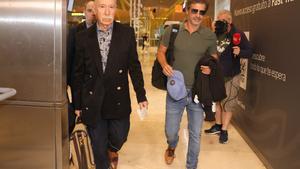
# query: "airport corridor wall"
[[268, 104]]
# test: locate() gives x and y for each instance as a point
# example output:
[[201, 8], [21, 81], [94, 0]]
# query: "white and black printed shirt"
[[104, 40]]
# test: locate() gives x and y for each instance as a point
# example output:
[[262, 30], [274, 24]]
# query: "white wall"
[[221, 5]]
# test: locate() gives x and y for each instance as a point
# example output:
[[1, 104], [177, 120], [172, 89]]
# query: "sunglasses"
[[195, 11]]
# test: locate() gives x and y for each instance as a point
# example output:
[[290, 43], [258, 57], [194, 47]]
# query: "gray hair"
[[227, 13]]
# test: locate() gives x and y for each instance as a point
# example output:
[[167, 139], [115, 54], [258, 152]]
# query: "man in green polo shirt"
[[193, 41]]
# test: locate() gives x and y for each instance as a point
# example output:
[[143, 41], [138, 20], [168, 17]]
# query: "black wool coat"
[[211, 87], [73, 30], [106, 94]]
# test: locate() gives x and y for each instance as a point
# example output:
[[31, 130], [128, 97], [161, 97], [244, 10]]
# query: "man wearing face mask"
[[232, 44], [192, 43], [105, 54]]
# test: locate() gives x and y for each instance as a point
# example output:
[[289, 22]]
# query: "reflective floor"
[[146, 142]]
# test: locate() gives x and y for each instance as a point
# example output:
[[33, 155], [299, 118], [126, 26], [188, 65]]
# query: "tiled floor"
[[146, 142]]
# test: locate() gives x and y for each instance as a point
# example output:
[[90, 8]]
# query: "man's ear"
[[186, 10]]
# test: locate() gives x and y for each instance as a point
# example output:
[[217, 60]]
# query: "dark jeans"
[[108, 135], [72, 117]]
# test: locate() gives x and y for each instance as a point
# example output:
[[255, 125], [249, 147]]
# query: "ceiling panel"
[[158, 3], [79, 4]]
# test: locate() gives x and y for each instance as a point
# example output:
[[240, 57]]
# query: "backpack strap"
[[170, 50], [174, 32]]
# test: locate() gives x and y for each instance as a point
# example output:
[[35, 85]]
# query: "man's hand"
[[161, 57], [215, 56], [78, 113], [143, 105], [205, 70], [142, 111], [167, 70], [236, 50]]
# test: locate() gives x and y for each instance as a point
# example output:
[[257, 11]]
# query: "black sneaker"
[[223, 139], [215, 129]]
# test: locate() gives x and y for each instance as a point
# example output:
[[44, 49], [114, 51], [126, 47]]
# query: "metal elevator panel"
[[34, 122], [27, 142], [31, 39]]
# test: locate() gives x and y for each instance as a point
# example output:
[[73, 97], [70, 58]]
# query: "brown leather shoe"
[[169, 155], [114, 158]]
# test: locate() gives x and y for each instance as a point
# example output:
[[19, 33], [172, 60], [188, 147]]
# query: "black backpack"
[[158, 79]]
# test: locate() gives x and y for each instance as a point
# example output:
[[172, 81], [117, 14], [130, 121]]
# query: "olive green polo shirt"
[[189, 49]]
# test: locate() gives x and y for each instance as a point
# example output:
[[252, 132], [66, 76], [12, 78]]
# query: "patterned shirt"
[[104, 39]]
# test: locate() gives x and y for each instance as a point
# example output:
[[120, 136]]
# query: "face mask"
[[221, 27]]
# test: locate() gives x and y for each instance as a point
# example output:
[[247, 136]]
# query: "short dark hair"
[[190, 2], [86, 3]]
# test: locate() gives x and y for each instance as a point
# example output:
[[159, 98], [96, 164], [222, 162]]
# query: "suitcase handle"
[[78, 120]]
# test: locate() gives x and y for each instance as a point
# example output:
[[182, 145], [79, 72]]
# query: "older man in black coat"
[[105, 54]]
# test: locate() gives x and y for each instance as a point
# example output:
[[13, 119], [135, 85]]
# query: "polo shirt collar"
[[183, 28]]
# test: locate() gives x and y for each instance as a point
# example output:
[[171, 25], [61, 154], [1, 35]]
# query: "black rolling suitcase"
[[80, 147]]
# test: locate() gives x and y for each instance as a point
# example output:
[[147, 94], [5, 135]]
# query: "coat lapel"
[[113, 47], [94, 45]]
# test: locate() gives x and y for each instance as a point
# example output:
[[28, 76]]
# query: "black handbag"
[[158, 79]]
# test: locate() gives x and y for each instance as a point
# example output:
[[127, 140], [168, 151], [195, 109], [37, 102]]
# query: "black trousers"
[[108, 135], [72, 117]]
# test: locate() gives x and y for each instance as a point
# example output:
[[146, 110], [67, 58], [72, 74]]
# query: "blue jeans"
[[174, 112]]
